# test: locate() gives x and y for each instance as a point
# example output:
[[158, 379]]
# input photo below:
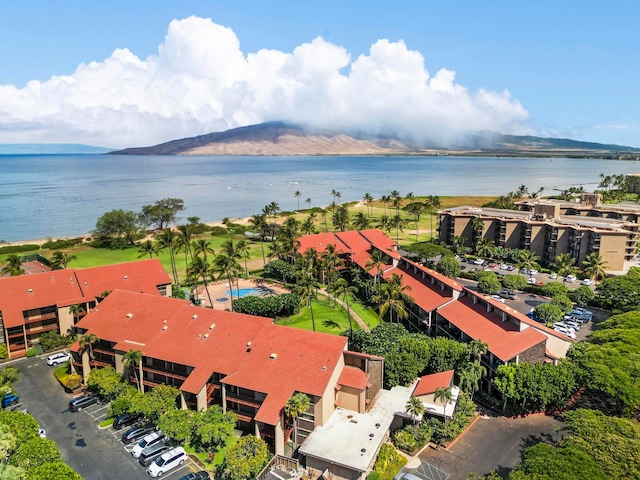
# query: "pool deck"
[[218, 292]]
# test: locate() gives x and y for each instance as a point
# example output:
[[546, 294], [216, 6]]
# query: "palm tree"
[[434, 202], [384, 222], [342, 288], [565, 264], [415, 209], [13, 266], [361, 221], [595, 266], [528, 260], [260, 224], [307, 288], [274, 208], [398, 223], [394, 298], [367, 199], [133, 360], [385, 199], [308, 226], [444, 395], [228, 268], [167, 239], [298, 404], [376, 262], [201, 247], [483, 247], [478, 371], [77, 310], [87, 341], [199, 268], [243, 251], [478, 226], [60, 260], [147, 247], [324, 213], [468, 381], [308, 202], [477, 348], [298, 194], [415, 408], [340, 218]]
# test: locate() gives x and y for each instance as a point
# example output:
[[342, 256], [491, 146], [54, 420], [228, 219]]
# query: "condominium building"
[[31, 305], [550, 228], [242, 362]]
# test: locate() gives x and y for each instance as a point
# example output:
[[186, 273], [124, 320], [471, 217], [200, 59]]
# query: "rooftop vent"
[[248, 344], [206, 335], [212, 326], [86, 283], [195, 317], [129, 315], [52, 278], [30, 290], [164, 321], [125, 277], [324, 367], [273, 356], [199, 335], [377, 425], [164, 328]]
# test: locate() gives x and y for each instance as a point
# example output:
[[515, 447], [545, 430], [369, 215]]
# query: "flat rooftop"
[[336, 441]]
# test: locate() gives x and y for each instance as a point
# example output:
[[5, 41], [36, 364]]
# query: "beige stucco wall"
[[325, 406], [65, 320], [351, 399]]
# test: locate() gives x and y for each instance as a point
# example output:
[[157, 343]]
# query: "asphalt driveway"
[[492, 443]]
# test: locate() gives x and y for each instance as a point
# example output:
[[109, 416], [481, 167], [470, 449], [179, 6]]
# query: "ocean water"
[[63, 195]]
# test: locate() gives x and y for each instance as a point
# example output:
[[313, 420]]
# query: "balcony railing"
[[43, 316], [166, 373], [249, 402]]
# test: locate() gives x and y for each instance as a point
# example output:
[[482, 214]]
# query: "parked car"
[[136, 433], [498, 298], [587, 281], [152, 439], [478, 261], [201, 475], [584, 311], [167, 461], [553, 276], [406, 476], [510, 268], [126, 420], [533, 272], [525, 271], [565, 331], [83, 401], [504, 266], [42, 433], [149, 454], [570, 278], [9, 400], [563, 325], [58, 358], [509, 294], [531, 281]]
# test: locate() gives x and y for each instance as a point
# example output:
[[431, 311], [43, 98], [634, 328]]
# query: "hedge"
[[19, 248], [274, 306]]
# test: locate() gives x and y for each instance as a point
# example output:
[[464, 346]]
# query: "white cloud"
[[201, 81]]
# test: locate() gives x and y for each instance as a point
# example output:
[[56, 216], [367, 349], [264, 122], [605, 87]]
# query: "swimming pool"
[[244, 292]]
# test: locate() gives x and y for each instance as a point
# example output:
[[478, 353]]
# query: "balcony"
[[246, 401], [40, 329], [43, 316], [165, 373]]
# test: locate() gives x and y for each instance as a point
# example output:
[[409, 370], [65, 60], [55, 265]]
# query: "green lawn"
[[220, 454], [325, 314], [367, 314]]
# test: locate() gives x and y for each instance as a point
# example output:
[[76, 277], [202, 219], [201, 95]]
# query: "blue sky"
[[566, 69]]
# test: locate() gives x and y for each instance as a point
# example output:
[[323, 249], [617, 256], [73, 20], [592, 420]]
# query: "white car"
[[587, 281], [478, 261], [58, 358], [498, 298], [531, 281], [149, 440], [503, 266], [42, 432], [533, 271], [167, 461], [570, 278], [553, 276], [566, 332]]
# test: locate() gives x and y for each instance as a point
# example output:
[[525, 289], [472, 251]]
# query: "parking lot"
[[95, 453]]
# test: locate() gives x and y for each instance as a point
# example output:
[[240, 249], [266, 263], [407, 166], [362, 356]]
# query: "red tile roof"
[[278, 361], [429, 383], [504, 339], [450, 282], [353, 377], [27, 292], [141, 276], [319, 241], [428, 297], [381, 241]]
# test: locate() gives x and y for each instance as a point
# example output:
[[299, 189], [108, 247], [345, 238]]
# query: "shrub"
[[553, 289], [280, 270], [404, 440], [4, 351], [389, 462], [18, 248], [73, 381], [51, 340], [271, 307], [582, 295], [217, 230], [374, 476], [32, 352], [514, 282], [60, 244], [562, 301], [488, 283]]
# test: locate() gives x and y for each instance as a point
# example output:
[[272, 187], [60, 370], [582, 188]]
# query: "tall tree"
[[308, 227], [308, 202], [307, 289], [198, 269], [443, 395], [595, 266], [298, 194], [415, 408], [342, 288], [148, 247], [298, 404], [416, 209], [132, 359], [228, 268], [60, 260], [361, 221], [167, 239], [201, 247], [340, 218], [367, 199], [87, 341], [259, 223], [393, 298], [565, 264], [435, 203], [77, 310], [162, 213], [13, 266]]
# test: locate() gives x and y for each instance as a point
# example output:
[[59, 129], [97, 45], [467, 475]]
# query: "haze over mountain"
[[49, 148], [280, 138]]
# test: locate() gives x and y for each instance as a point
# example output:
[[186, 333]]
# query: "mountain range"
[[280, 138]]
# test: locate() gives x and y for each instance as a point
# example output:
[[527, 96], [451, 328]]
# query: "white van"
[[167, 461], [149, 440]]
